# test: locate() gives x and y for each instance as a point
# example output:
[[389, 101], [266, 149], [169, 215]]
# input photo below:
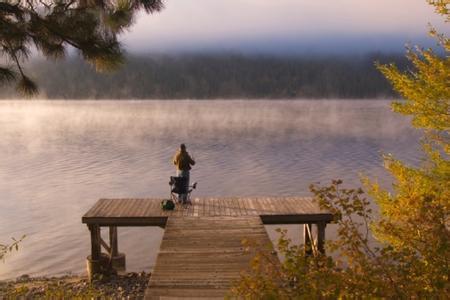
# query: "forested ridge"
[[213, 76]]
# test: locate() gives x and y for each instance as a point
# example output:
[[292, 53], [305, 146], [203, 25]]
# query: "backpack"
[[167, 204]]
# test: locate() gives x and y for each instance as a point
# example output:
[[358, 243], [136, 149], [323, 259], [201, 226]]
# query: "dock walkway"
[[201, 251], [201, 257]]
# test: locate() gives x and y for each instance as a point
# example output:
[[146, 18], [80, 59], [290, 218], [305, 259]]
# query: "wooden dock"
[[201, 251], [201, 257]]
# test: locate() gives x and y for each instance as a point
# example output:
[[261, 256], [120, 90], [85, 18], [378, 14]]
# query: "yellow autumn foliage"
[[411, 258]]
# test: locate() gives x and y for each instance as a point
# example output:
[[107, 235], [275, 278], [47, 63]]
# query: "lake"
[[59, 157]]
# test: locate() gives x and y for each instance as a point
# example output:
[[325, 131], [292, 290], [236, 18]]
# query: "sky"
[[283, 26]]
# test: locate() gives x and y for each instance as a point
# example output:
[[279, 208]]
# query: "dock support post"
[[117, 259], [113, 240], [307, 239], [96, 261], [321, 237], [95, 241]]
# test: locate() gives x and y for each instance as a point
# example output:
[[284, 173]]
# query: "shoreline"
[[123, 286]]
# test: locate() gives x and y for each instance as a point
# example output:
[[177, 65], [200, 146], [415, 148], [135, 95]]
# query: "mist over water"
[[59, 157]]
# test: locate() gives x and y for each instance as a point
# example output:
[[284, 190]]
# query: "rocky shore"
[[127, 286]]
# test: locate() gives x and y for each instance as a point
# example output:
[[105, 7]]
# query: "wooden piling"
[[307, 241], [118, 261], [321, 237], [95, 241], [113, 242]]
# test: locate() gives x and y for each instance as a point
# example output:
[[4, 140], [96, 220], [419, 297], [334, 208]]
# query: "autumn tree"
[[411, 257], [415, 219], [53, 26]]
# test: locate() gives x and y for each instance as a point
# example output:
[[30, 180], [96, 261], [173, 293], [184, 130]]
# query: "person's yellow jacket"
[[183, 161]]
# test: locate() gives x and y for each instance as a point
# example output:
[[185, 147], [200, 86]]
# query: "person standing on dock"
[[183, 162]]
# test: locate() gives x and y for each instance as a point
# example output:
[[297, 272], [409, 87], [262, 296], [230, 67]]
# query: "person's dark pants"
[[185, 174]]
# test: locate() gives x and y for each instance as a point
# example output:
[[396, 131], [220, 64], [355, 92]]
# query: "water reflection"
[[58, 158]]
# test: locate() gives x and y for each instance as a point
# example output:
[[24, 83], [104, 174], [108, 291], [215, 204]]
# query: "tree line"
[[214, 76]]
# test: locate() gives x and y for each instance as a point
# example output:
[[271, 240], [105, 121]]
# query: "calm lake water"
[[58, 158]]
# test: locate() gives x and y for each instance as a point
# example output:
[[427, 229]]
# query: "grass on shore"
[[127, 286]]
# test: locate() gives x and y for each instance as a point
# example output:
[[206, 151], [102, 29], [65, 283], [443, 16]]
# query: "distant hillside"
[[215, 76]]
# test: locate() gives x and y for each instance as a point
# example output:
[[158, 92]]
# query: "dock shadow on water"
[[59, 157]]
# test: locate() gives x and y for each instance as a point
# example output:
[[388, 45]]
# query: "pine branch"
[[7, 75], [91, 26]]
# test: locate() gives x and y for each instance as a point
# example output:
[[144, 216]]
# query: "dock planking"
[[147, 212], [200, 257], [201, 253]]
